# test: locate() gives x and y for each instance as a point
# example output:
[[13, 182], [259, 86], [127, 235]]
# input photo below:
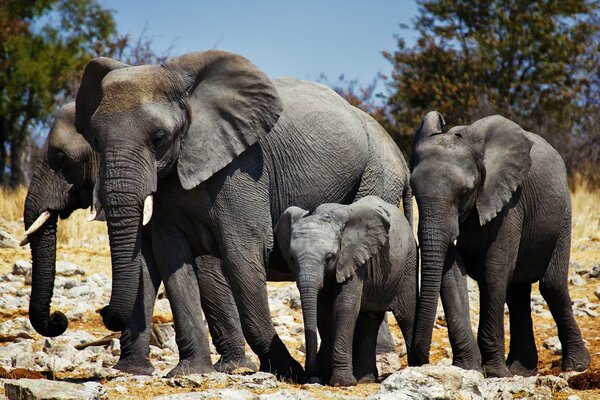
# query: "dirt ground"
[[94, 257]]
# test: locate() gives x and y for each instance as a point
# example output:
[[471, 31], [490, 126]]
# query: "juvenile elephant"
[[63, 181], [220, 151], [353, 263], [500, 194]]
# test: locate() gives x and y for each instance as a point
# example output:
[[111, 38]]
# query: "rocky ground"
[[78, 363]]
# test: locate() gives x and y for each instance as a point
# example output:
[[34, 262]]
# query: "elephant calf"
[[352, 263]]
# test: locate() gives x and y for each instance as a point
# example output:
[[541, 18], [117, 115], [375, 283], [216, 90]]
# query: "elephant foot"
[[279, 362], [190, 367], [576, 360], [516, 367], [496, 371], [368, 378], [236, 364], [135, 366], [473, 363], [340, 378]]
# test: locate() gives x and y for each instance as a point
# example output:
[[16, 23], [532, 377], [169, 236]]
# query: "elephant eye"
[[158, 138], [329, 258]]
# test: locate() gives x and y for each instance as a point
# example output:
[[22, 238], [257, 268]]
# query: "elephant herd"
[[213, 179]]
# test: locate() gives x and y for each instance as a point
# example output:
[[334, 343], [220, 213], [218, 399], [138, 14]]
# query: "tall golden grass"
[[77, 231], [74, 231]]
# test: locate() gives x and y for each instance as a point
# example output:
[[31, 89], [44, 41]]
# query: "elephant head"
[[331, 243], [470, 169], [186, 119], [63, 181]]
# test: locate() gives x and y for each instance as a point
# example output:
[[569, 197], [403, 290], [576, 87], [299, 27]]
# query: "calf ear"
[[506, 159], [89, 94], [283, 229], [365, 232], [232, 104]]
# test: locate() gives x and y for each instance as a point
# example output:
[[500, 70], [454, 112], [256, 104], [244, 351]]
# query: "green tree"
[[44, 46], [531, 61]]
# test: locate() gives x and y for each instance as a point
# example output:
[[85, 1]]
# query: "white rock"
[[32, 389], [431, 382], [388, 363], [22, 268], [7, 240], [17, 355], [287, 395], [553, 343], [65, 268], [597, 292], [15, 326], [576, 280], [224, 394]]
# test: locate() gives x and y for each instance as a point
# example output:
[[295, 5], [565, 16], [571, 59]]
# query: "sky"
[[301, 38]]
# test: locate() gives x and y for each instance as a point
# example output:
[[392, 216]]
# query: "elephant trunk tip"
[[54, 326], [113, 321]]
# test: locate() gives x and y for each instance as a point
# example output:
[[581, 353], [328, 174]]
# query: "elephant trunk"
[[123, 209], [46, 194], [309, 285], [435, 235]]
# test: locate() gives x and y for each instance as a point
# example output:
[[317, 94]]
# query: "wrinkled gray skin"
[[224, 151], [63, 182], [352, 263], [502, 193]]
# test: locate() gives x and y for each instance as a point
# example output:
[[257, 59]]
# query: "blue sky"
[[303, 38]]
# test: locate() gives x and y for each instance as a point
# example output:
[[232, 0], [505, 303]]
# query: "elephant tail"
[[407, 204]]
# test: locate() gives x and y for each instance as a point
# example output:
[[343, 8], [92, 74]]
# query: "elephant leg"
[[346, 308], [385, 341], [246, 274], [176, 264], [221, 315], [364, 347], [135, 339], [522, 357], [326, 328], [555, 290], [455, 301]]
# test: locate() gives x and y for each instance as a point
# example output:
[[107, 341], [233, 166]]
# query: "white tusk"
[[454, 242], [148, 206], [96, 208], [38, 223]]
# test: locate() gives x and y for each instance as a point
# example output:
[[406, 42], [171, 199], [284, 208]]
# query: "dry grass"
[[586, 213], [74, 231]]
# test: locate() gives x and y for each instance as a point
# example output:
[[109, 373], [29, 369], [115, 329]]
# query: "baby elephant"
[[352, 263]]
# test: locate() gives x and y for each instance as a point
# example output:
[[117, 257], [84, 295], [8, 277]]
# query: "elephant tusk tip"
[[24, 242]]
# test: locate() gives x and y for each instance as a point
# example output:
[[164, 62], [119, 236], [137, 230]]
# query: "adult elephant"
[[500, 194], [221, 151], [63, 181]]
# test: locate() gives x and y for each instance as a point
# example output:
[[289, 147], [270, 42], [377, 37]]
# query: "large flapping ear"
[[431, 125], [232, 104], [89, 94], [365, 232], [506, 159], [283, 228]]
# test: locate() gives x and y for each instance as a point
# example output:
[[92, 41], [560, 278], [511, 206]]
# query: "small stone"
[[553, 343], [573, 397], [65, 268], [595, 271], [576, 280], [22, 268], [597, 292], [7, 240]]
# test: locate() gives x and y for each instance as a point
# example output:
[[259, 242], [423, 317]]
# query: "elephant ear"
[[365, 232], [506, 159], [232, 104], [89, 94], [283, 228], [431, 125]]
